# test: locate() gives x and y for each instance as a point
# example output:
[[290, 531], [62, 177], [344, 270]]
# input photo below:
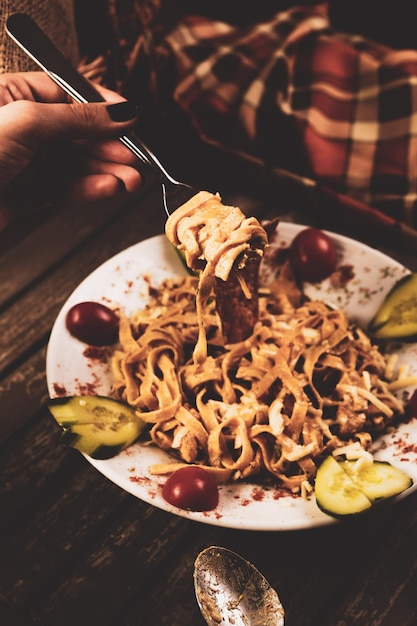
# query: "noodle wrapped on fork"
[[227, 247]]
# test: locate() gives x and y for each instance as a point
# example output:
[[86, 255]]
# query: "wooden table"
[[75, 548]]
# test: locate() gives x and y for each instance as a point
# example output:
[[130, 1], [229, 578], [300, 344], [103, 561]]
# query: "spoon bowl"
[[230, 590]]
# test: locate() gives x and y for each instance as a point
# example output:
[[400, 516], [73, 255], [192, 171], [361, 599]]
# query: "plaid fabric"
[[298, 96], [121, 30]]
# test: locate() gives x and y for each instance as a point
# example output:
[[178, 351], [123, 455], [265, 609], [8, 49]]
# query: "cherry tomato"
[[313, 255], [93, 323], [191, 488]]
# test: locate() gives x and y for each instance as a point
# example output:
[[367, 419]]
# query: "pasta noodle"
[[302, 385], [303, 382]]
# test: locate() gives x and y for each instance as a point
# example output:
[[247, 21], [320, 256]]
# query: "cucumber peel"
[[396, 318], [345, 488], [98, 426], [181, 255]]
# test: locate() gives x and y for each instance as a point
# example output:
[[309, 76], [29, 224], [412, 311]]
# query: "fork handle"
[[37, 45]]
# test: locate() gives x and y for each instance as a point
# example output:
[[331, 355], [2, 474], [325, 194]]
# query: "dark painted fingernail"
[[122, 111]]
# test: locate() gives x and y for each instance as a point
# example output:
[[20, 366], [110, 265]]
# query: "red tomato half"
[[93, 323], [191, 488], [313, 255]]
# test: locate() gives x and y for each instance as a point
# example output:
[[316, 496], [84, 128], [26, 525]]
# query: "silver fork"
[[37, 45]]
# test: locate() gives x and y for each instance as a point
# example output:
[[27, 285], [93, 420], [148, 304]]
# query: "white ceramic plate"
[[75, 369]]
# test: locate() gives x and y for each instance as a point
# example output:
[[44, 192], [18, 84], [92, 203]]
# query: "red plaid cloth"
[[296, 95]]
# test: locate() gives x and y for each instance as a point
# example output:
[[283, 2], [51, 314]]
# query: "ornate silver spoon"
[[231, 591]]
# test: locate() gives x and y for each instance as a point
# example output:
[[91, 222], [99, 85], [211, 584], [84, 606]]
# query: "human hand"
[[85, 157]]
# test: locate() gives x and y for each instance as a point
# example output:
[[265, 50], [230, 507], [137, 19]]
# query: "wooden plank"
[[31, 465], [28, 321], [69, 510], [115, 570], [385, 573], [12, 616], [404, 608], [24, 392], [45, 245]]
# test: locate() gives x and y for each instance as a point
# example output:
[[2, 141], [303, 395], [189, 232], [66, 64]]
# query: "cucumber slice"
[[345, 488], [378, 479], [96, 425], [100, 443], [336, 493], [397, 316]]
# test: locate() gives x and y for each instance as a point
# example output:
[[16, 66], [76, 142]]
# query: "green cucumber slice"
[[100, 443], [336, 493], [378, 479], [349, 487], [98, 426], [396, 318]]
